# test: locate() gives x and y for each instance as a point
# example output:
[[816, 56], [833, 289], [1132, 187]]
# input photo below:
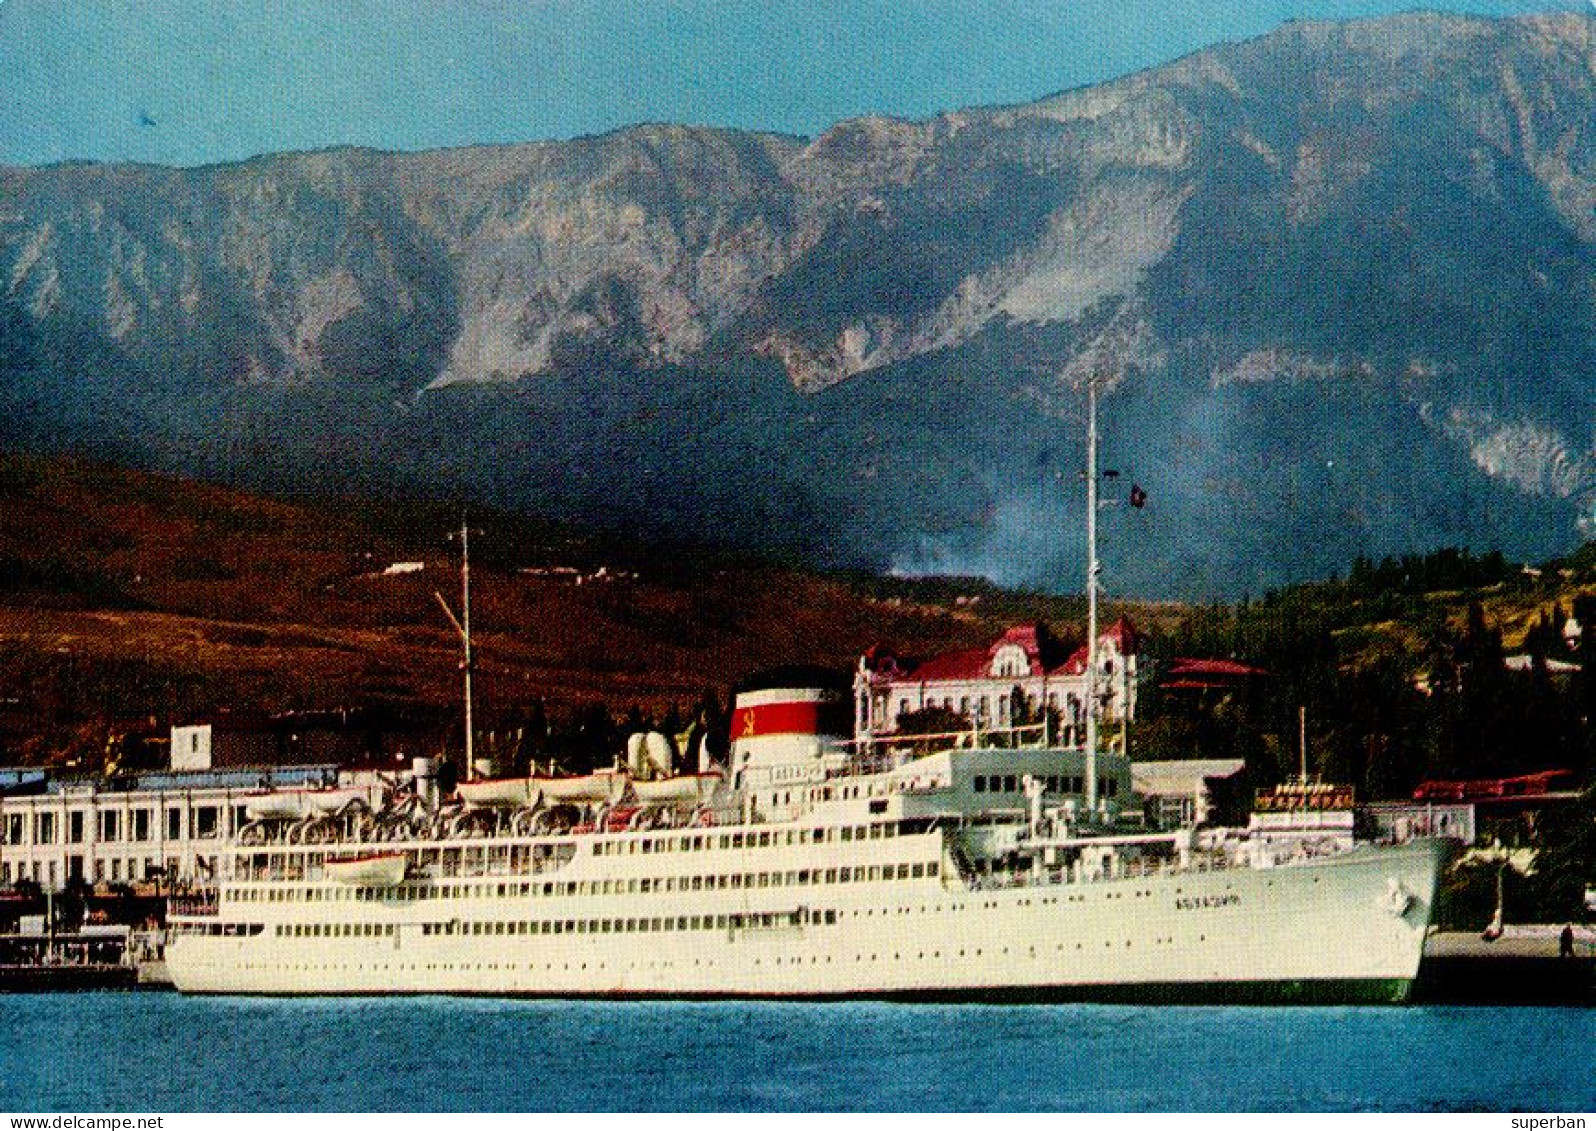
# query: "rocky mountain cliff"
[[1342, 279]]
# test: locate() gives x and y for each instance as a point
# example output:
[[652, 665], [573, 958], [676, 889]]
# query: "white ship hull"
[[1324, 931]]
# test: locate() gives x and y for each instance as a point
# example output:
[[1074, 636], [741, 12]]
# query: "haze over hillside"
[[1342, 279]]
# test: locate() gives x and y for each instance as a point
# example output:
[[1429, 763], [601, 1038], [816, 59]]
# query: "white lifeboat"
[[291, 804], [500, 792], [601, 786], [332, 800], [274, 807], [607, 786], [379, 870]]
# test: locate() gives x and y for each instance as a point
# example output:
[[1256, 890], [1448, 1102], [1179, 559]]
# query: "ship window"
[[980, 783], [917, 871]]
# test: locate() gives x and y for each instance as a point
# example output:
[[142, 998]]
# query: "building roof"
[[971, 664], [1184, 666], [1187, 674]]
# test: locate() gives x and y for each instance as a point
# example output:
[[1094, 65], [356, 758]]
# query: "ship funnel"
[[782, 721]]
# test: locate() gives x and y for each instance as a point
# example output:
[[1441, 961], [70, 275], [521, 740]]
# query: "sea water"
[[163, 1052]]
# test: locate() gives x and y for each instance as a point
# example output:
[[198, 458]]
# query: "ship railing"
[[877, 753], [430, 869], [1060, 876]]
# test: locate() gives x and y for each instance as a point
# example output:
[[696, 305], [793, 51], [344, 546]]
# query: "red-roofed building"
[[1025, 665], [1186, 674]]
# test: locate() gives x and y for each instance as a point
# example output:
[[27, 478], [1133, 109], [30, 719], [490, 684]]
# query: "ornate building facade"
[[1002, 686]]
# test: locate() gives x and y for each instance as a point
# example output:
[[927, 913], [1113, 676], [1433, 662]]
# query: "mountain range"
[[1338, 285]]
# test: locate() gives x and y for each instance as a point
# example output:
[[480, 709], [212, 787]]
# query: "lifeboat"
[[687, 790], [332, 800], [505, 792], [379, 870], [284, 806], [291, 804], [600, 786]]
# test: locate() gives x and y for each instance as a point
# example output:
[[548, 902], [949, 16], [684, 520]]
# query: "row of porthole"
[[566, 967]]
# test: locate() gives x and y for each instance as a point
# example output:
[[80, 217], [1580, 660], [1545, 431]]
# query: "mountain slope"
[[125, 595], [1343, 278]]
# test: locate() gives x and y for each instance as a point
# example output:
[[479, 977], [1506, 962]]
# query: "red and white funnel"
[[773, 726]]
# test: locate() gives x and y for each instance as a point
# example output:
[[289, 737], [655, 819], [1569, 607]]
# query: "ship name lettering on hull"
[[1201, 902]]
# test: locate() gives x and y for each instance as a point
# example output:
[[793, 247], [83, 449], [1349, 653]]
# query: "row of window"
[[765, 838], [1000, 707], [109, 825], [736, 881], [736, 921], [1055, 783], [226, 930]]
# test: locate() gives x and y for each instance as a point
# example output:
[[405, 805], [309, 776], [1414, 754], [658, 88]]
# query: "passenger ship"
[[819, 868], [810, 866]]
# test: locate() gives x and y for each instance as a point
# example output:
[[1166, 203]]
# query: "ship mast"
[[462, 626], [1092, 569]]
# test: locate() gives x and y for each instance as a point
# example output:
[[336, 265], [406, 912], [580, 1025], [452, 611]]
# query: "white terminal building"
[[166, 826]]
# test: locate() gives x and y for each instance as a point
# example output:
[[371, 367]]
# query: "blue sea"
[[163, 1052]]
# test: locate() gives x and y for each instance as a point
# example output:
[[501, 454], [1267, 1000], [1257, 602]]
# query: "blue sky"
[[195, 81]]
